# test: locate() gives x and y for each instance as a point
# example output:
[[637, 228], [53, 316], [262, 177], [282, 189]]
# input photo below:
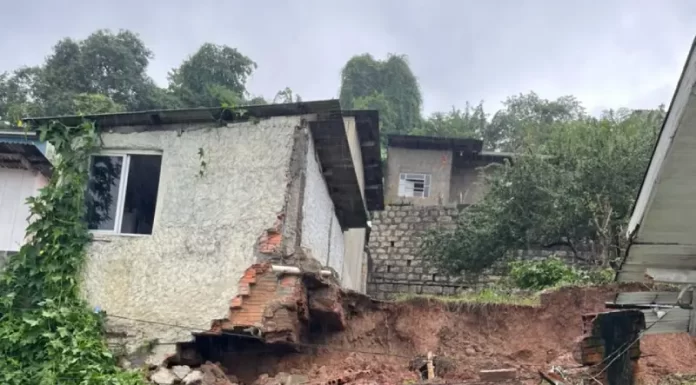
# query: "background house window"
[[414, 185], [122, 192]]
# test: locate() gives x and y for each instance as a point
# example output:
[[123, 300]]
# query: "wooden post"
[[692, 316], [612, 345], [431, 367]]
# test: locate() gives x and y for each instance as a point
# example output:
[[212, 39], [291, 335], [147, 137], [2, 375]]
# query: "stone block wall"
[[396, 266]]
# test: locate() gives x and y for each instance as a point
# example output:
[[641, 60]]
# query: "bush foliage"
[[542, 274]]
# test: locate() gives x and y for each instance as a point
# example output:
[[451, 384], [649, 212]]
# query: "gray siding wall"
[[436, 163]]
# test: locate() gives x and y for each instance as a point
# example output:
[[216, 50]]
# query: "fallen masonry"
[[290, 328]]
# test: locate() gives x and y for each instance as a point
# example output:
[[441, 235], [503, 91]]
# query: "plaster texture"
[[205, 230], [467, 183], [317, 210], [353, 259], [336, 248], [434, 162]]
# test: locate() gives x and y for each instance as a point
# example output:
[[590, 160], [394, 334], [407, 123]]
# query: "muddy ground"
[[382, 338]]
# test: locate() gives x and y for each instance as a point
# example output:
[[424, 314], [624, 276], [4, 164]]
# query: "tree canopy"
[[581, 190], [573, 183], [107, 72], [387, 85], [213, 73]]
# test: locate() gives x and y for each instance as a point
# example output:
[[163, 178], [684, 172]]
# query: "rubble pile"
[[207, 374]]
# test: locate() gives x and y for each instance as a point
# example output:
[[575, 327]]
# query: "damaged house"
[[189, 209]]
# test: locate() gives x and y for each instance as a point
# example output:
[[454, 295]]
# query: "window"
[[414, 185], [122, 192]]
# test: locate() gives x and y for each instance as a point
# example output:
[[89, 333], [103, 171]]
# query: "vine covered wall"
[[48, 333]]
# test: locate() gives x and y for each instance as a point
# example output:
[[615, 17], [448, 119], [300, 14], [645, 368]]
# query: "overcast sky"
[[608, 53]]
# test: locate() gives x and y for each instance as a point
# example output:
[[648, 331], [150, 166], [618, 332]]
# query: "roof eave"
[[669, 128]]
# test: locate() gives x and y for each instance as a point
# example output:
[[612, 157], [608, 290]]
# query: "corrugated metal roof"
[[23, 156], [418, 142], [327, 111]]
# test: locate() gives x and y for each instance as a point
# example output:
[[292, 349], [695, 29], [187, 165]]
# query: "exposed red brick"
[[274, 304], [236, 303], [243, 289], [270, 241]]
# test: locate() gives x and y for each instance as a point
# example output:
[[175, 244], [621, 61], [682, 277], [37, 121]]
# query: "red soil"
[[470, 337]]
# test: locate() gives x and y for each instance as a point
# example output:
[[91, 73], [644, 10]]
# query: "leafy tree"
[[255, 101], [470, 123], [527, 119], [16, 94], [95, 104], [113, 65], [388, 84], [213, 73], [581, 190], [286, 96]]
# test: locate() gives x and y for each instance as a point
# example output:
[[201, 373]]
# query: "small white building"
[[24, 169], [182, 202]]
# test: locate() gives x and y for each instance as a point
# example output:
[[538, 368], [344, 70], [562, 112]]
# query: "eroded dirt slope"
[[470, 337]]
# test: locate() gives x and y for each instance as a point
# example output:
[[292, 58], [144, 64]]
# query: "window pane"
[[102, 191], [141, 194]]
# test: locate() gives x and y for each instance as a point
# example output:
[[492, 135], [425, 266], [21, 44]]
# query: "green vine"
[[48, 334]]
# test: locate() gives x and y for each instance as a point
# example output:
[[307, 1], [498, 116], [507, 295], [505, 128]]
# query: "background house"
[[427, 171], [181, 202], [24, 169]]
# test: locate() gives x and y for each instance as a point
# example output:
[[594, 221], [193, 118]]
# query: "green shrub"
[[542, 274], [538, 275]]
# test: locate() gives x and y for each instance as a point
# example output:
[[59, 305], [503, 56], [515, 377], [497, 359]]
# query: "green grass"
[[481, 297]]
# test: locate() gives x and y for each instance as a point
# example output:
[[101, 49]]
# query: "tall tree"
[[106, 63], [16, 90], [470, 123], [286, 96], [212, 74], [389, 84], [580, 190], [527, 119], [95, 104]]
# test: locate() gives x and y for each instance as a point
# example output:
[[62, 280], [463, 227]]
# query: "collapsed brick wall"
[[396, 266]]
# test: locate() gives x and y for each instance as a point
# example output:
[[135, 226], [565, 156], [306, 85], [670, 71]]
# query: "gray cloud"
[[621, 53]]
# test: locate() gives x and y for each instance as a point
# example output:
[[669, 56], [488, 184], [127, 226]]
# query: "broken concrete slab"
[[193, 378], [498, 375], [181, 371], [164, 376]]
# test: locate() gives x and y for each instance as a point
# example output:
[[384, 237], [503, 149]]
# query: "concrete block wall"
[[397, 267]]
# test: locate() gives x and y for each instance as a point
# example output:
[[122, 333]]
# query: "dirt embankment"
[[470, 338]]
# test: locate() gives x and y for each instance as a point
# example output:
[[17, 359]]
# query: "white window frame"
[[123, 185], [406, 192]]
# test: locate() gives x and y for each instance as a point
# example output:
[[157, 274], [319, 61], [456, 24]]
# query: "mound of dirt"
[[383, 339]]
